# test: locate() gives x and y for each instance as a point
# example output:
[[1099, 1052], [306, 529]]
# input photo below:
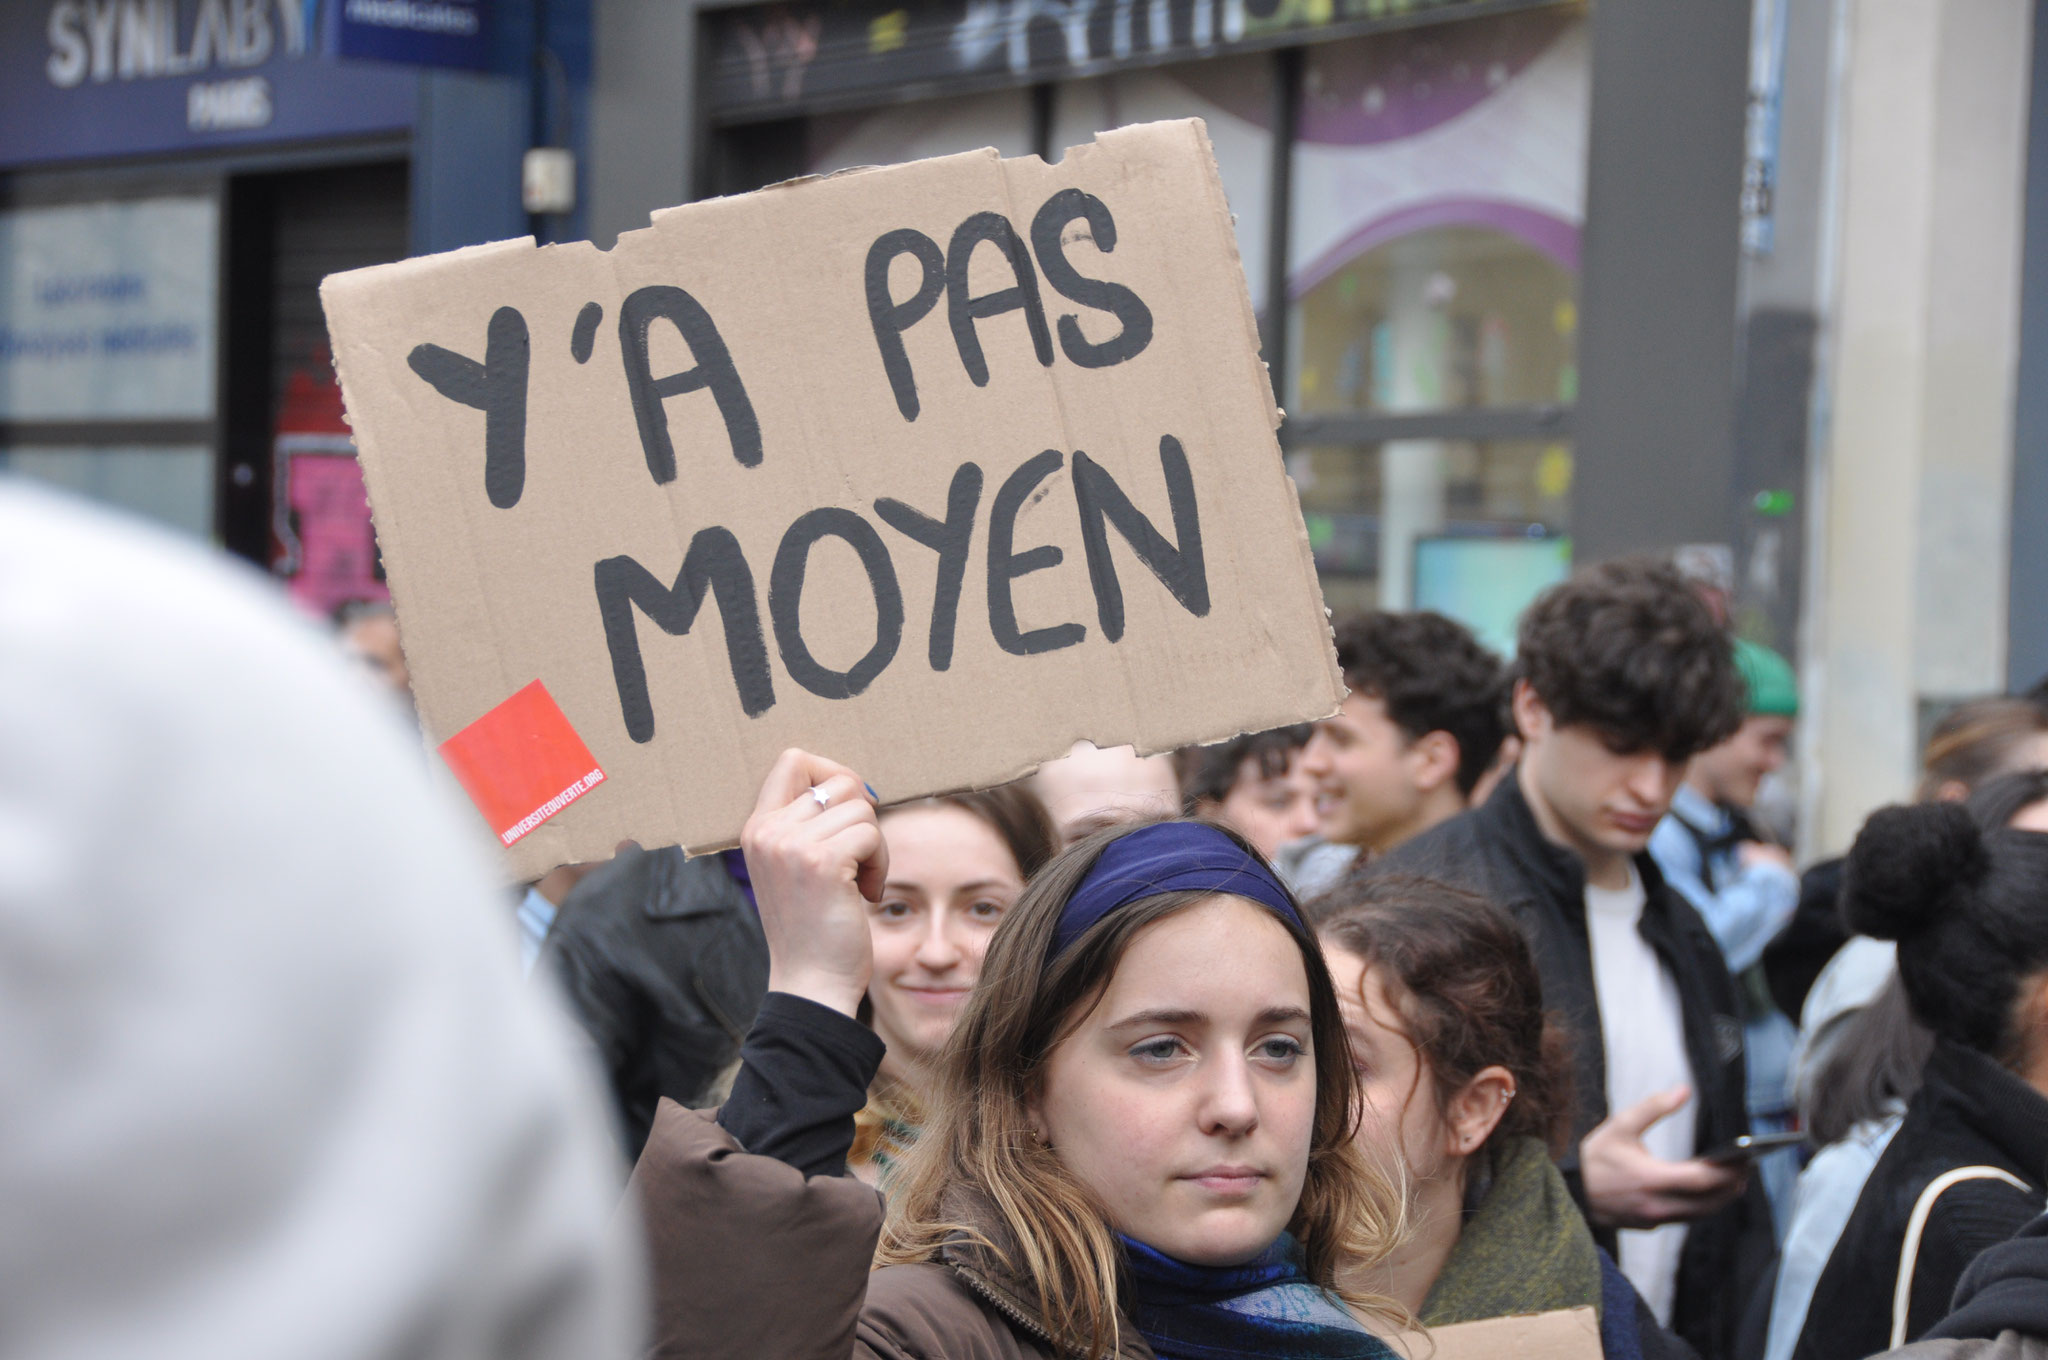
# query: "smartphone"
[[1751, 1146]]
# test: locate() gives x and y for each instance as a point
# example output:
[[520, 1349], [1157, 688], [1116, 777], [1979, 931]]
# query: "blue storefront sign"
[[103, 78], [419, 32]]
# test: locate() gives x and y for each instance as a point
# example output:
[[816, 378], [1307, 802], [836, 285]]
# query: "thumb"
[[1637, 1118]]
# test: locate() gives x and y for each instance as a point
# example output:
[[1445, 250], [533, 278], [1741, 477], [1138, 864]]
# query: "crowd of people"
[[1495, 994]]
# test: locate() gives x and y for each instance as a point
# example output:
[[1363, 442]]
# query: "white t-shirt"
[[1644, 1028]]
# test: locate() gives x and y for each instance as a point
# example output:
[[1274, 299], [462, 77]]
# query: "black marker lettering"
[[1005, 564], [583, 337], [891, 318], [497, 387], [714, 370], [1119, 301], [949, 538], [714, 563], [1179, 568], [786, 593], [964, 310]]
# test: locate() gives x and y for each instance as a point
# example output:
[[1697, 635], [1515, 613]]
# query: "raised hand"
[[815, 853]]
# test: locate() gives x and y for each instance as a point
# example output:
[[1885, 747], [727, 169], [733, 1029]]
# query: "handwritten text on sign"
[[716, 565], [832, 383]]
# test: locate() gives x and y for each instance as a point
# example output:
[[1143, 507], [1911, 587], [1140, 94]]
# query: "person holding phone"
[[1622, 675], [1744, 886]]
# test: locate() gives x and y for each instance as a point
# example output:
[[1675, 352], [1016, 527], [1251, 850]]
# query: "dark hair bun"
[[1906, 865]]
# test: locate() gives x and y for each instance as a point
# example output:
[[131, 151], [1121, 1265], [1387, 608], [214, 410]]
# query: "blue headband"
[[1168, 857]]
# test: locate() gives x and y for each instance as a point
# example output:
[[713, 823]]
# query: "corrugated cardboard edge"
[[386, 511], [1219, 207], [1219, 204], [1565, 1334]]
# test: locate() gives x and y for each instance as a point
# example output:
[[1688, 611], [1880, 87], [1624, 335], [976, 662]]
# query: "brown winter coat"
[[752, 1260]]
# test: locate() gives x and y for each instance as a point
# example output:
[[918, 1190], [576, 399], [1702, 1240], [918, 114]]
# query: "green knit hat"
[[1773, 688]]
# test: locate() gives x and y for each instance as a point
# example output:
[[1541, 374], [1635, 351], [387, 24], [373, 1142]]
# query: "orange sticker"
[[522, 762]]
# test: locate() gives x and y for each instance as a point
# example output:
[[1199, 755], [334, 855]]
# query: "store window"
[[911, 132], [1438, 191], [1439, 319], [106, 310], [1372, 511], [171, 484], [107, 318], [1232, 95]]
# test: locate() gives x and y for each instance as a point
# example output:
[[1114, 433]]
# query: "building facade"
[[176, 176], [1540, 281]]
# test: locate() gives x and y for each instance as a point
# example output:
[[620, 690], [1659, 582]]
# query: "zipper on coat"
[[1015, 1314]]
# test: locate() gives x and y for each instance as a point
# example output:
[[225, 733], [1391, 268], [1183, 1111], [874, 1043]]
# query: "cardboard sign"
[[931, 469], [1567, 1334]]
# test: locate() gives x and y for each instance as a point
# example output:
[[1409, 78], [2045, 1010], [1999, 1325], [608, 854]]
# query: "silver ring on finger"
[[822, 798]]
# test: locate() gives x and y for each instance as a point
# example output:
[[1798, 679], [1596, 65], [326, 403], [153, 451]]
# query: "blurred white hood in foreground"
[[270, 1085]]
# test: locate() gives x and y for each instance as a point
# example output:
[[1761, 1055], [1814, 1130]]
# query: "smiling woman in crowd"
[[956, 864], [1140, 1135], [1467, 1082]]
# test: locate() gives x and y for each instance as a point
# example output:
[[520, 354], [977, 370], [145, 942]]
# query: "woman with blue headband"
[[1139, 1143]]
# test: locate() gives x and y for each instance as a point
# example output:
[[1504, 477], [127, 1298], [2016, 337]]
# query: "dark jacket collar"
[[1507, 819], [1554, 870], [2008, 1113]]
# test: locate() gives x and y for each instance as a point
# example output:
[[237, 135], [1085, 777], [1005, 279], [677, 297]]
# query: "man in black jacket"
[[1622, 675], [664, 963]]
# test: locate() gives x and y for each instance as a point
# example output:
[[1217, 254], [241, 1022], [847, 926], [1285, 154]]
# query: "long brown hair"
[[992, 1072], [1025, 828], [1975, 740], [1870, 1067], [1467, 989]]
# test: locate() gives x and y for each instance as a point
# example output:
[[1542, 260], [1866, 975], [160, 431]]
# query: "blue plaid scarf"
[[1265, 1309]]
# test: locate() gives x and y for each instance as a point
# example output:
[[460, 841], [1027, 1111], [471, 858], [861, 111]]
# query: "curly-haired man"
[[1621, 676]]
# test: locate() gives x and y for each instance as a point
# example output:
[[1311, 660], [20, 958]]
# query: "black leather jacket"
[[664, 962], [1498, 851]]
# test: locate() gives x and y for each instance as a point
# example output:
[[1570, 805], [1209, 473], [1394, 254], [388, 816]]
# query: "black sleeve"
[[1970, 1217], [2006, 1287], [804, 1074], [610, 1007]]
